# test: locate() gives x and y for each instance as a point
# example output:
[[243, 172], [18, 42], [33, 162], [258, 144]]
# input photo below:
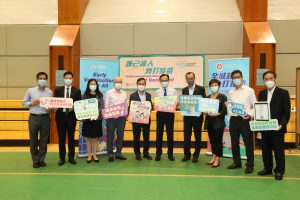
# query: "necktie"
[[165, 92], [67, 96]]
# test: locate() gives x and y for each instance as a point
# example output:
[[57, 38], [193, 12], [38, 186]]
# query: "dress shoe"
[[95, 160], [43, 164], [111, 159], [278, 176], [148, 157], [88, 161], [171, 158], [72, 161], [138, 157], [264, 172], [121, 157], [36, 165], [249, 170], [158, 157], [61, 162], [195, 159], [234, 166], [185, 158]]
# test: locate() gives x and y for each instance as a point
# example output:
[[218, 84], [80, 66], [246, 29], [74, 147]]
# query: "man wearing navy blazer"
[[66, 120], [141, 95], [280, 108], [191, 122]]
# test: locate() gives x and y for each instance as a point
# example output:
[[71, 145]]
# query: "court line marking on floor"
[[144, 175]]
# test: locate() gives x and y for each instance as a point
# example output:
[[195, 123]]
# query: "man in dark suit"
[[141, 95], [66, 120], [280, 108], [191, 122]]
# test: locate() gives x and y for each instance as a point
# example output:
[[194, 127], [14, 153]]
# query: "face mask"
[[237, 81], [42, 82], [118, 86], [93, 87], [164, 84], [141, 88], [68, 81], [214, 89], [270, 84], [190, 82]]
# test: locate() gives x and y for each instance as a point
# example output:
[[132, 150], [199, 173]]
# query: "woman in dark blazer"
[[92, 128], [215, 123]]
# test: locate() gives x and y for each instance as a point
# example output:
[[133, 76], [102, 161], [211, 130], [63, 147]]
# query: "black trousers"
[[137, 128], [66, 126], [38, 125], [192, 123], [216, 139], [239, 126], [273, 141], [162, 119]]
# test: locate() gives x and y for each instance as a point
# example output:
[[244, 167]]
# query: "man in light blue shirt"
[[39, 120]]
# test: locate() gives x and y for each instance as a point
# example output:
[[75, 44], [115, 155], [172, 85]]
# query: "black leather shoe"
[[121, 157], [61, 162], [138, 157], [88, 161], [249, 170], [278, 176], [111, 159], [148, 157], [42, 164], [72, 161], [95, 160], [185, 158], [264, 172], [171, 158], [36, 165], [195, 159], [234, 166], [158, 157]]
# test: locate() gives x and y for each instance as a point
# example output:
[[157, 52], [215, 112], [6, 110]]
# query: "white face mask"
[[164, 84], [237, 81], [68, 81], [214, 89], [141, 88], [118, 86], [270, 84]]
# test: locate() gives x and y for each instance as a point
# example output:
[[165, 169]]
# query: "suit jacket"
[[280, 105], [75, 95], [199, 90], [135, 97], [219, 121]]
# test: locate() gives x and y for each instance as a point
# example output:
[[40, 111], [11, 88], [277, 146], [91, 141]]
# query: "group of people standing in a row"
[[278, 98]]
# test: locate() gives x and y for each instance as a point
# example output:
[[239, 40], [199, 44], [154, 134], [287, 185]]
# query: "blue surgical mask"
[[93, 87], [214, 89], [68, 81], [42, 82], [237, 81], [164, 84]]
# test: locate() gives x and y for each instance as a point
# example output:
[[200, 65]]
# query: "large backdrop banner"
[[221, 70], [104, 71], [151, 67]]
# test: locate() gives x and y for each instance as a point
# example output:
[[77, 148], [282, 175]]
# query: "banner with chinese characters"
[[165, 104], [139, 112], [86, 109], [104, 71], [236, 109], [264, 125], [56, 102], [116, 111], [151, 67], [209, 105], [221, 70], [189, 105]]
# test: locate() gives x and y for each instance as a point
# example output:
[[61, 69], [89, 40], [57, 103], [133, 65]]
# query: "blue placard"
[[209, 105], [189, 105]]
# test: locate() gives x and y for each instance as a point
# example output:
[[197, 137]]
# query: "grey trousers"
[[38, 146], [115, 125]]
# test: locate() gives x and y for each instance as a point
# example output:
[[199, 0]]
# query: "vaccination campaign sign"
[[140, 112], [115, 111], [151, 67], [165, 104], [104, 71], [221, 70], [189, 105], [56, 102], [86, 109]]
